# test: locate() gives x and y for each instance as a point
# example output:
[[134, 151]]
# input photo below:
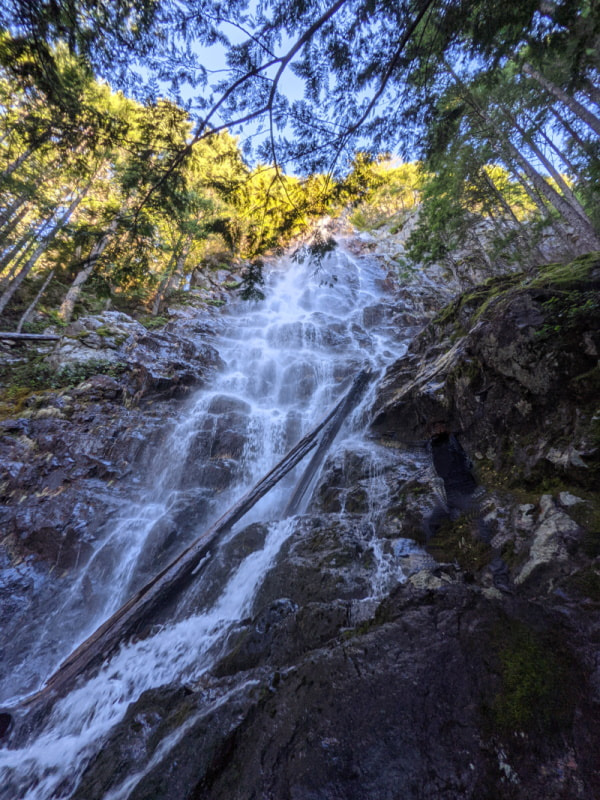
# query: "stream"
[[288, 360]]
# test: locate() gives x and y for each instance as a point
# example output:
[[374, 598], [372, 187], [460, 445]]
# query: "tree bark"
[[13, 254], [39, 250], [36, 300], [592, 92], [16, 163], [556, 149], [566, 189], [10, 227], [72, 296], [175, 263], [37, 143], [13, 257], [510, 152], [582, 227], [571, 103], [37, 337], [569, 129], [518, 225], [329, 435], [503, 202]]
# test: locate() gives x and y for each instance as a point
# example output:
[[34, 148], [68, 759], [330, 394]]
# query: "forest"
[[236, 232], [127, 164]]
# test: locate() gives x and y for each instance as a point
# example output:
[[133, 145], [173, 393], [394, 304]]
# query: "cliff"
[[429, 626]]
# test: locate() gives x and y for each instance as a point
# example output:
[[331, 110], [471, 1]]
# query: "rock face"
[[66, 444], [515, 359], [435, 691], [382, 657], [446, 686], [71, 456]]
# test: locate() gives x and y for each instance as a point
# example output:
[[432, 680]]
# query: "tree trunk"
[[592, 92], [36, 300], [518, 225], [503, 202], [563, 156], [556, 149], [570, 129], [38, 142], [570, 102], [175, 263], [16, 163], [566, 189], [580, 226], [39, 250], [24, 337], [10, 227], [542, 208], [329, 435], [13, 254], [13, 257], [12, 209], [72, 296], [47, 174]]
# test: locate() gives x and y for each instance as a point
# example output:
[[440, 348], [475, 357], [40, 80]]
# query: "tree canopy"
[[113, 112]]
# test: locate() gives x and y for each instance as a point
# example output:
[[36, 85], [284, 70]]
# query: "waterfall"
[[288, 360]]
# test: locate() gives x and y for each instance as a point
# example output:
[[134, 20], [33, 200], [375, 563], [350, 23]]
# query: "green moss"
[[17, 382], [468, 309], [536, 680], [471, 306], [456, 541], [586, 583], [151, 323], [512, 557], [79, 335], [104, 330], [357, 501], [578, 270], [360, 630], [568, 311], [13, 400], [215, 303]]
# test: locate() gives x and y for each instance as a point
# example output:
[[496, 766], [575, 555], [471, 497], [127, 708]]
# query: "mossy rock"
[[580, 270], [538, 681], [586, 583], [457, 541]]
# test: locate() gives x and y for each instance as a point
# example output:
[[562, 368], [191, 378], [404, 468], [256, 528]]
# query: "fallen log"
[[351, 399], [19, 337], [136, 611]]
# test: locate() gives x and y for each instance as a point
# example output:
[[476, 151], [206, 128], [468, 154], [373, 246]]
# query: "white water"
[[289, 359]]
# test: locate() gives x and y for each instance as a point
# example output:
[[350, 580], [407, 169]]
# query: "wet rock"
[[58, 460], [155, 363], [299, 382], [493, 375], [551, 538], [368, 666], [327, 558], [395, 706]]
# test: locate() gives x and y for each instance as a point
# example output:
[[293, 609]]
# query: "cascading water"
[[288, 360]]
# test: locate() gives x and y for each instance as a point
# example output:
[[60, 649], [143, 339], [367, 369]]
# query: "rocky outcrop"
[[376, 662], [65, 445], [382, 657], [515, 358], [371, 667], [70, 457], [326, 693]]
